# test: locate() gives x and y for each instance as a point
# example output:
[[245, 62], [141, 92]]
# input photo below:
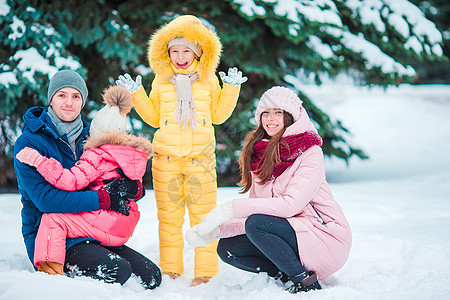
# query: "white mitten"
[[127, 82], [234, 77], [218, 215], [197, 240]]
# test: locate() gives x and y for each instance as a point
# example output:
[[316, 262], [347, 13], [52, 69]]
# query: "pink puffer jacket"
[[301, 195], [99, 162]]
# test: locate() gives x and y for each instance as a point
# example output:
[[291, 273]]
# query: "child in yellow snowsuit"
[[184, 102]]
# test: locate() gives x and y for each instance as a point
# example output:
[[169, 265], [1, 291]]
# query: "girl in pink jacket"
[[290, 227], [109, 152]]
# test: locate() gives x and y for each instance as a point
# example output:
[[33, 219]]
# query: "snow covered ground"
[[397, 203]]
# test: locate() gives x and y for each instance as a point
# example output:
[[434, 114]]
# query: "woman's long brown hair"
[[271, 156]]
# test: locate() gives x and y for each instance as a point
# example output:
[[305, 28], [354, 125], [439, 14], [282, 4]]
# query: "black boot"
[[281, 277], [309, 283]]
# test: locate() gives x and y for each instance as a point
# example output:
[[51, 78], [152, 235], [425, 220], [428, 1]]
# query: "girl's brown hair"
[[271, 156]]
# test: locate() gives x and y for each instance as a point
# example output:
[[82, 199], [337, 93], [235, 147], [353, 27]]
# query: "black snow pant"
[[112, 265], [268, 245]]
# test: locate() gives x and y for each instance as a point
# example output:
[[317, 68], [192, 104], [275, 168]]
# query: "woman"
[[290, 227]]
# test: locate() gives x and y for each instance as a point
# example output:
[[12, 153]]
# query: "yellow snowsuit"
[[184, 161]]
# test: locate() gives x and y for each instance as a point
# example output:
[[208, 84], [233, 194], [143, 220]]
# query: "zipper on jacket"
[[320, 217], [162, 129], [48, 246], [73, 152]]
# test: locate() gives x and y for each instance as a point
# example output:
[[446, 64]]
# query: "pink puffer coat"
[[301, 195], [105, 153]]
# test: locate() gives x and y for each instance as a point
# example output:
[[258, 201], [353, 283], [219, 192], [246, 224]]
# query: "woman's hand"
[[197, 240], [218, 215]]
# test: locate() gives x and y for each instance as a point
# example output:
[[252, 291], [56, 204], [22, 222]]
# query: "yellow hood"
[[191, 29]]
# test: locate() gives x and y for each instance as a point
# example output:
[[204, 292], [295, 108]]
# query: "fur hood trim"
[[111, 138], [191, 29]]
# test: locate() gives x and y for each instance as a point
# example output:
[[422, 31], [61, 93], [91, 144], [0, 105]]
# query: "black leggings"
[[269, 245], [112, 265]]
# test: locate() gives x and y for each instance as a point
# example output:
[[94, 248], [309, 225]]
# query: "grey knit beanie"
[[67, 78]]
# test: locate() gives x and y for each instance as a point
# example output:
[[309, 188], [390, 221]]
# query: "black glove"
[[134, 187], [116, 195], [120, 205]]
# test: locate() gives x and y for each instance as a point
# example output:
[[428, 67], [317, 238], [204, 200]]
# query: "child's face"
[[182, 57], [272, 120]]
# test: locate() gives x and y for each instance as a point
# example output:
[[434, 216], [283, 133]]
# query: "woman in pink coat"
[[109, 152], [290, 227]]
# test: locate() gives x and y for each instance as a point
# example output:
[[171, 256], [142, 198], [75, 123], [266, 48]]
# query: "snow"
[[399, 14], [17, 29], [323, 11], [397, 204], [31, 61], [249, 8], [372, 54], [369, 12], [318, 46], [4, 8]]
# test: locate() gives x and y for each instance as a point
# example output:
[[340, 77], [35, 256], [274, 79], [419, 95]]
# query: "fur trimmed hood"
[[191, 29], [111, 138]]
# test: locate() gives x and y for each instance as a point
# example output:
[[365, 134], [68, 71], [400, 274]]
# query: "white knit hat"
[[113, 116], [279, 97], [181, 41]]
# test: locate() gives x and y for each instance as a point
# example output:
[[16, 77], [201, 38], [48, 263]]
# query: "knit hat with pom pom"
[[113, 116], [279, 97]]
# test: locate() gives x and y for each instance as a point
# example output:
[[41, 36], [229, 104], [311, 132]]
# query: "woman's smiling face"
[[272, 120]]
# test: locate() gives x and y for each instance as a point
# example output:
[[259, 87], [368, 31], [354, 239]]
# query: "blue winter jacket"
[[39, 196]]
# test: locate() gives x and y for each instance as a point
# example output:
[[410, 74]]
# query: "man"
[[58, 131]]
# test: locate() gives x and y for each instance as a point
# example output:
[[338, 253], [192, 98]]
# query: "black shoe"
[[281, 277], [309, 283]]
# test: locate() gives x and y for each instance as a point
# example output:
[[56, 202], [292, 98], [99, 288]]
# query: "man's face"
[[67, 103]]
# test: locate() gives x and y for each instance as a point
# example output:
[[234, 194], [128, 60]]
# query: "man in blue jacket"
[[58, 131]]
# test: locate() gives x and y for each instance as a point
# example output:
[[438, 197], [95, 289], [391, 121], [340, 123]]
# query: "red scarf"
[[293, 147]]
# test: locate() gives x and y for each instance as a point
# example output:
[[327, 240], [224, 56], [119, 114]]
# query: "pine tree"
[[272, 42], [430, 70]]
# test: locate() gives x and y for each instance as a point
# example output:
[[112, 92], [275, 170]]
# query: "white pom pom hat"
[[113, 116], [279, 97]]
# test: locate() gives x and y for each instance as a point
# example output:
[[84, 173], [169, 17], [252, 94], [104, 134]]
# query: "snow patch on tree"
[[420, 34]]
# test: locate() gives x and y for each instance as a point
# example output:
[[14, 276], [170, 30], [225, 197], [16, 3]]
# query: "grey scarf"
[[72, 129], [186, 113]]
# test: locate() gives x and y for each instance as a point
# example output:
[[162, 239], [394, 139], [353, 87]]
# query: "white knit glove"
[[127, 82], [218, 215], [234, 77], [197, 240]]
